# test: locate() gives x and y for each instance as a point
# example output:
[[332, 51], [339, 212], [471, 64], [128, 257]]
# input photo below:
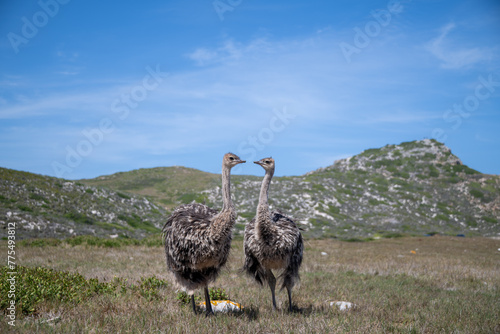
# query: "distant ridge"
[[414, 188]]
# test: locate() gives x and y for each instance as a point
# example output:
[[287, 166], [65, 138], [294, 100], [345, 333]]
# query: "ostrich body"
[[272, 242], [197, 239]]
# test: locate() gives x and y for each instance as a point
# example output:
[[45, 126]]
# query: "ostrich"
[[272, 241], [198, 238]]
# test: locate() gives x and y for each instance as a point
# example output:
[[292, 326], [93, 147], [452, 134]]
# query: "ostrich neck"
[[263, 215], [227, 204], [222, 223], [264, 190]]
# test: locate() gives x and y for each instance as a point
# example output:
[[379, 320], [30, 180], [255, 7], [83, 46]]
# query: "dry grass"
[[445, 285]]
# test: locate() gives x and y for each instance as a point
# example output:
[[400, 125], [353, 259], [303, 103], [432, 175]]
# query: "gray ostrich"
[[198, 239], [272, 241]]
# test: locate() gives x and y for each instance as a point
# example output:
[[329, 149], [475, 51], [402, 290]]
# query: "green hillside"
[[167, 186], [42, 206]]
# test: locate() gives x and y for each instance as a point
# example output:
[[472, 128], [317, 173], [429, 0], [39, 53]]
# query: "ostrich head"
[[266, 163], [230, 160]]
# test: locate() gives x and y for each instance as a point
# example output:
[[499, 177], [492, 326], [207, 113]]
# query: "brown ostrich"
[[197, 239], [272, 242]]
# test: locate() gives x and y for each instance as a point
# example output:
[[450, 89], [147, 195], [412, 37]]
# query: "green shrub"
[[40, 242], [37, 197], [136, 222], [183, 297], [373, 201], [123, 195], [148, 287], [218, 294], [471, 223], [355, 239], [433, 171], [318, 187], [38, 285], [25, 208], [429, 156], [442, 217], [78, 217], [490, 220], [401, 174], [388, 235], [89, 240], [333, 210], [464, 169], [443, 207], [190, 197], [476, 193]]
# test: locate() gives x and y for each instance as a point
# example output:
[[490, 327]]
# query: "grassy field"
[[404, 285]]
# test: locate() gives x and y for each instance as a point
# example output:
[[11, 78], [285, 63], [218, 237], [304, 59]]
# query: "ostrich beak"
[[241, 161]]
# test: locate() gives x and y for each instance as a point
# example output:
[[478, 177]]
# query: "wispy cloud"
[[454, 55], [228, 51]]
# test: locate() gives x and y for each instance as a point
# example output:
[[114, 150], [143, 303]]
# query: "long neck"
[[227, 204], [265, 231], [223, 222], [263, 215], [264, 190]]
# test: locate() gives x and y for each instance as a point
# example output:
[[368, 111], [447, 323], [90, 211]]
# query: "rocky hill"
[[417, 187], [43, 206]]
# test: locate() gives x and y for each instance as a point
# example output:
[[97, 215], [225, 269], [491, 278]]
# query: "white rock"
[[343, 306], [323, 253]]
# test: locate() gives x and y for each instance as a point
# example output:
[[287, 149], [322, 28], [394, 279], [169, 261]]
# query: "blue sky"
[[89, 88]]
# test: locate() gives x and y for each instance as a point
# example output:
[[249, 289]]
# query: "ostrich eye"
[[267, 161], [231, 158]]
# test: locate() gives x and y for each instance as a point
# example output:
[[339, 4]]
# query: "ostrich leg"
[[272, 284], [192, 303], [289, 290], [208, 303]]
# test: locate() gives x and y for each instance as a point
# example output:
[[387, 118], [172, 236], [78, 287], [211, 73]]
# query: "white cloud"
[[453, 56], [228, 51], [203, 56]]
